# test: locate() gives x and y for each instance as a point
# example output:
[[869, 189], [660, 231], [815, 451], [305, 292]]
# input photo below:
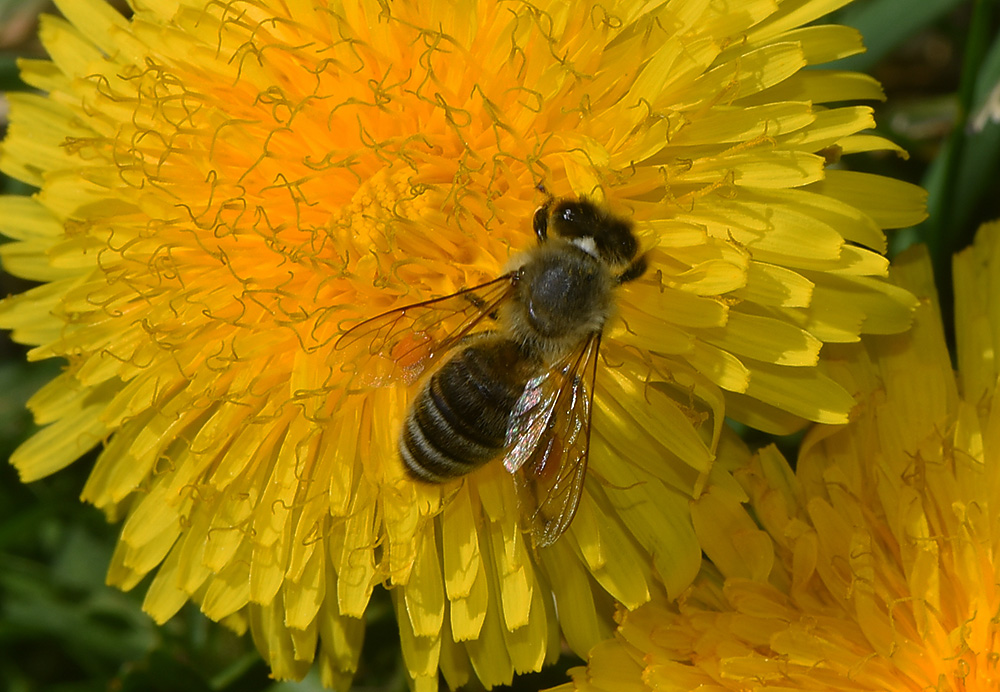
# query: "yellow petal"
[[890, 203], [423, 594], [766, 339], [802, 392]]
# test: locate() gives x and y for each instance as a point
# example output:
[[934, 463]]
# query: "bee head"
[[588, 226]]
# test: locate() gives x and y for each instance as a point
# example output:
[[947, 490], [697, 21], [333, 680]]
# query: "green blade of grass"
[[885, 24]]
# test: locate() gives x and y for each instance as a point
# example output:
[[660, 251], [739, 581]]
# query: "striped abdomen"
[[459, 419]]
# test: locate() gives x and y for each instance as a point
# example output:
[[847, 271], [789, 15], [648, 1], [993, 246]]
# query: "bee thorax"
[[563, 295]]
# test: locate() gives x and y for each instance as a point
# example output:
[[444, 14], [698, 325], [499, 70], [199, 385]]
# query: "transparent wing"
[[400, 344], [549, 439]]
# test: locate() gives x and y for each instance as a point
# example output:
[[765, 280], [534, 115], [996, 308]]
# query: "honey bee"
[[513, 363]]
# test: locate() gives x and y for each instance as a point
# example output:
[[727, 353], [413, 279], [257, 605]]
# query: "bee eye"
[[540, 222]]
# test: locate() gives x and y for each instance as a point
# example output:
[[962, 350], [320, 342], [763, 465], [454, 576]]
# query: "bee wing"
[[398, 345], [549, 440]]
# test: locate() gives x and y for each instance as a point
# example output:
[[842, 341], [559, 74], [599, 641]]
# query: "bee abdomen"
[[459, 420]]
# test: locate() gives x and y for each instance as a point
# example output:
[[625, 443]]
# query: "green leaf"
[[10, 76], [885, 24], [979, 159], [163, 673], [18, 381]]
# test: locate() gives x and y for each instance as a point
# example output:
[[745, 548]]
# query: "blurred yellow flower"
[[874, 566], [224, 184]]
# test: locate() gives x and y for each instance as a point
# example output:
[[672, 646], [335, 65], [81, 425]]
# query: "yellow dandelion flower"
[[874, 564], [225, 185]]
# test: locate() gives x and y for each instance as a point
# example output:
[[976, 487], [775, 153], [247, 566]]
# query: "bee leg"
[[634, 270]]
